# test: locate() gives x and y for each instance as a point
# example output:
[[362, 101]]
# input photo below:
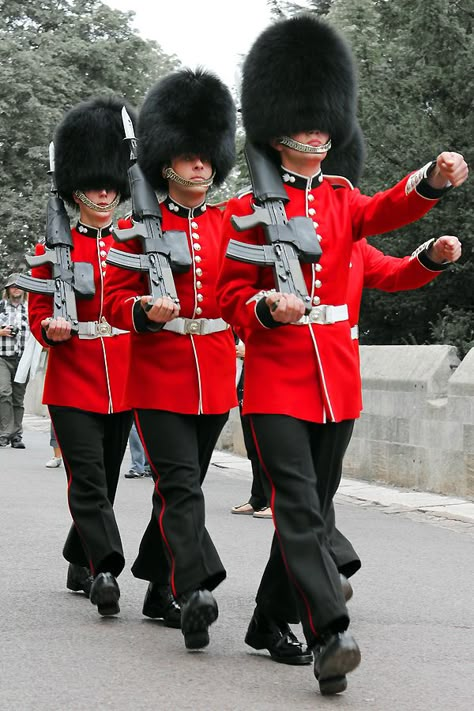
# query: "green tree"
[[52, 55]]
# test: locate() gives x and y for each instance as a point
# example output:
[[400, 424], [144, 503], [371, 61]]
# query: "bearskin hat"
[[299, 75], [90, 151], [187, 112], [347, 160]]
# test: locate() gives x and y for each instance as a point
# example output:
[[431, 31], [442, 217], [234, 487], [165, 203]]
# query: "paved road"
[[412, 611]]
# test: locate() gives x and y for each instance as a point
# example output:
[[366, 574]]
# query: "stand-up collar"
[[183, 211], [302, 182], [94, 232]]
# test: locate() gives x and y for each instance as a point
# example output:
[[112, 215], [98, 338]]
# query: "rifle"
[[68, 278], [163, 252], [289, 242]]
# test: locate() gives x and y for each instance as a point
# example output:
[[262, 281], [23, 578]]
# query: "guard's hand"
[[285, 308], [161, 311], [240, 350], [450, 167], [57, 329], [6, 331], [446, 249]]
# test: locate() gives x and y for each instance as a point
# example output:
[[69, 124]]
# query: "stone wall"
[[417, 426]]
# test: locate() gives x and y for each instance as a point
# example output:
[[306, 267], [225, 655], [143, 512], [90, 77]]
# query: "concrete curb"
[[402, 499]]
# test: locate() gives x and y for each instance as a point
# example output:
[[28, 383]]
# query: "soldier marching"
[[159, 296]]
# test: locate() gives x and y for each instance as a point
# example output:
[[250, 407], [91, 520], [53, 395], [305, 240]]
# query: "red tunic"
[[85, 374], [372, 269], [310, 372], [189, 374]]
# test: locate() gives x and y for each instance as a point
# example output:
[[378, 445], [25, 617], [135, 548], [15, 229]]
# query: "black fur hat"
[[347, 160], [89, 146], [186, 112], [299, 75]]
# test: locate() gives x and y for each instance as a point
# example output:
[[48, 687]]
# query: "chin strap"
[[170, 174], [98, 208], [303, 147]]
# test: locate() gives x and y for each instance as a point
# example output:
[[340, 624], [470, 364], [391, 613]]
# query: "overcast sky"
[[212, 33]]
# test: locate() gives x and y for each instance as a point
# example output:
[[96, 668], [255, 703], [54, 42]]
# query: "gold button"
[[317, 284], [197, 247], [198, 271], [316, 300], [199, 310], [199, 284], [195, 235], [310, 197], [200, 297], [194, 225], [318, 268], [319, 238], [197, 258], [311, 211]]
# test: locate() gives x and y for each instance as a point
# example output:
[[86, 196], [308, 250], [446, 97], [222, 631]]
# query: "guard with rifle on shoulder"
[[181, 381], [302, 386], [87, 363]]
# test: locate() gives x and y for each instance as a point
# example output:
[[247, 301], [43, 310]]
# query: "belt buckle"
[[316, 315], [193, 327], [104, 328]]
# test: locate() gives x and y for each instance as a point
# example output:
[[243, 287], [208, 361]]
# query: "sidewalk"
[[397, 499]]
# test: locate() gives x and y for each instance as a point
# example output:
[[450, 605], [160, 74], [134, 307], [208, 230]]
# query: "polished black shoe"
[[79, 579], [17, 443], [105, 593], [198, 611], [347, 590], [160, 603], [4, 441], [278, 639], [333, 659]]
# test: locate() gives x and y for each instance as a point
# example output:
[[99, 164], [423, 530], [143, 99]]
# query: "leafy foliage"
[[53, 54]]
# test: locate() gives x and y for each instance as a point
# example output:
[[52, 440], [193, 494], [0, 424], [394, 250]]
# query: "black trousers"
[[92, 446], [302, 462], [258, 495], [176, 546]]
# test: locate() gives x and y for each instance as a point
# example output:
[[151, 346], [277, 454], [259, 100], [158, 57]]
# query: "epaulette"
[[245, 191], [338, 181]]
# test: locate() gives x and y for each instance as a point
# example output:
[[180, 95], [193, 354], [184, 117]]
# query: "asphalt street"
[[412, 611]]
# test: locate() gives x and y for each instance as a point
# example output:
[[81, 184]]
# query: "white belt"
[[196, 326], [324, 314], [97, 329], [355, 333]]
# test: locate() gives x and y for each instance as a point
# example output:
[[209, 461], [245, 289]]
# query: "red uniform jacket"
[[311, 372], [372, 269], [189, 374], [85, 374]]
